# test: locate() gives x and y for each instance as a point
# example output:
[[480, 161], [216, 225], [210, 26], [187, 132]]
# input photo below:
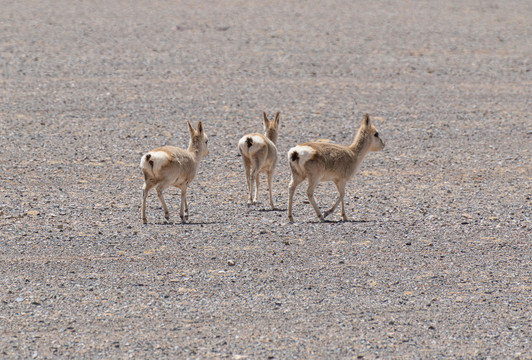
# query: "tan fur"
[[173, 166], [321, 161], [261, 156]]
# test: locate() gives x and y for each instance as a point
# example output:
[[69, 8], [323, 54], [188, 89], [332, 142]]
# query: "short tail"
[[146, 164], [148, 159], [294, 156], [293, 159], [249, 141], [244, 145]]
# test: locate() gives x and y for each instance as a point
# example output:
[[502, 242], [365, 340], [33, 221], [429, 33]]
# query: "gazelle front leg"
[[344, 216], [183, 205], [186, 209]]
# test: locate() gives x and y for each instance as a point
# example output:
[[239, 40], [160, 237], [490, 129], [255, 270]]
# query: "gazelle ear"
[[200, 127], [277, 118], [366, 122], [190, 128], [266, 121]]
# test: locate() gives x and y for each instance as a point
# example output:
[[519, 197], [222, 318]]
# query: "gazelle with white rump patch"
[[321, 161], [259, 154], [173, 166]]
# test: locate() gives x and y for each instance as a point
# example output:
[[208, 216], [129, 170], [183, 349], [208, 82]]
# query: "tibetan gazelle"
[[173, 166], [259, 154], [321, 161]]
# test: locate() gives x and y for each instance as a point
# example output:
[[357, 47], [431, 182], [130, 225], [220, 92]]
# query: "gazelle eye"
[[376, 134]]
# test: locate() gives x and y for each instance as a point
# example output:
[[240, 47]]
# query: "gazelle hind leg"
[[251, 186], [163, 203], [294, 183], [270, 175], [255, 198], [310, 195], [247, 166], [340, 186], [312, 184], [145, 190], [257, 163]]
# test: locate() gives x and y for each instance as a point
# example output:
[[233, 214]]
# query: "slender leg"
[[144, 196], [344, 216], [183, 202], [255, 179], [165, 208], [145, 191], [294, 183], [186, 209], [340, 185], [270, 175], [148, 185], [342, 194], [312, 183], [247, 166]]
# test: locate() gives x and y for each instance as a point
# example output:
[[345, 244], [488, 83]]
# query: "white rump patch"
[[258, 143], [159, 158], [258, 140], [304, 153]]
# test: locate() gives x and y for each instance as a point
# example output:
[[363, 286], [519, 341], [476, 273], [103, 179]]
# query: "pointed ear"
[[277, 118], [266, 121], [366, 122], [190, 128], [200, 127]]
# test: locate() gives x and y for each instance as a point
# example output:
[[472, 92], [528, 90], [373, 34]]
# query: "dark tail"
[[148, 157], [249, 141], [294, 156]]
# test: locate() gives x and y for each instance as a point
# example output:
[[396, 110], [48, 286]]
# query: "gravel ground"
[[435, 262]]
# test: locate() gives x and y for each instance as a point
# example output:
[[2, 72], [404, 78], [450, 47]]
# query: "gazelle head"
[[371, 134], [198, 139], [270, 127]]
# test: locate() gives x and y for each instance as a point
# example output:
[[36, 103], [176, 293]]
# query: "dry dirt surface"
[[435, 261]]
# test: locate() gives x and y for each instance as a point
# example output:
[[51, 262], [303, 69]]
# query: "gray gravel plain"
[[435, 262]]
